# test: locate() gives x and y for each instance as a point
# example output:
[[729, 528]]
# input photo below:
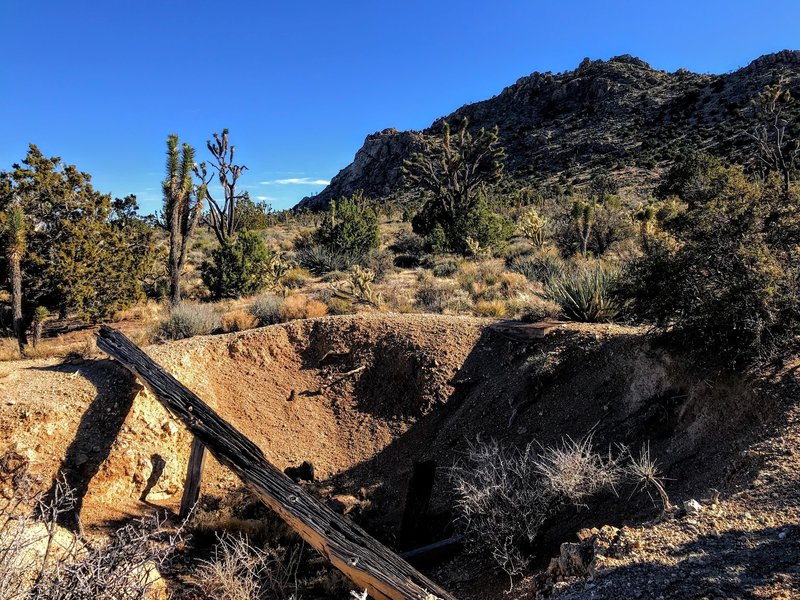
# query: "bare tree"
[[183, 206], [777, 151], [222, 218]]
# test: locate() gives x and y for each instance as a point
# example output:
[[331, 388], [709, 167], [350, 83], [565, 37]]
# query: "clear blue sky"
[[301, 83]]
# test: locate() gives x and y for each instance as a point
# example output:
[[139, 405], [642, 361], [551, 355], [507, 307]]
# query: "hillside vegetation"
[[647, 222]]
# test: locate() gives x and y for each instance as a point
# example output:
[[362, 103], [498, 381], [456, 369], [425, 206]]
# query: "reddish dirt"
[[365, 396]]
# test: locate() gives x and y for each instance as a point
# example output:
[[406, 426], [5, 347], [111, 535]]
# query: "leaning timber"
[[364, 560]]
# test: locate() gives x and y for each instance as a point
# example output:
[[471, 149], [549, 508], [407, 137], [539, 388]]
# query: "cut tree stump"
[[194, 474], [361, 558]]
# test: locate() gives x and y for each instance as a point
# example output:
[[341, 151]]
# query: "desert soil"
[[365, 396]]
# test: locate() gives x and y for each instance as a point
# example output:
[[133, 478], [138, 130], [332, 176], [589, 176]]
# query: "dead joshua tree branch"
[[222, 218]]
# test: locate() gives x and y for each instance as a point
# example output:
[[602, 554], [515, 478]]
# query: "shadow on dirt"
[[97, 430], [735, 564]]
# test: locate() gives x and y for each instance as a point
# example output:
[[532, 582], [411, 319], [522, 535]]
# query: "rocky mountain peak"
[[618, 115]]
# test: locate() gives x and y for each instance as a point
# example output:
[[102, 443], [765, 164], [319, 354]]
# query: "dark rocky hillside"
[[619, 115]]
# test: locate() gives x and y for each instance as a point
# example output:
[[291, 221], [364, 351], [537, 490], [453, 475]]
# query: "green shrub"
[[349, 227], [584, 295], [480, 223], [188, 320], [447, 267], [239, 267], [722, 278]]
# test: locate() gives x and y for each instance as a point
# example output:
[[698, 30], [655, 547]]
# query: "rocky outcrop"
[[375, 169], [619, 115]]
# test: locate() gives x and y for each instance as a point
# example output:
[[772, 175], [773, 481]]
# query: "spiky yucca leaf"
[[584, 295]]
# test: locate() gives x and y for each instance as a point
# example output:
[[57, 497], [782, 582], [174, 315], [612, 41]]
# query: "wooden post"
[[418, 498], [194, 473], [359, 556]]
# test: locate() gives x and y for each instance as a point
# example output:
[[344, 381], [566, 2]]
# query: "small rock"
[[304, 472], [169, 428], [692, 507], [343, 504]]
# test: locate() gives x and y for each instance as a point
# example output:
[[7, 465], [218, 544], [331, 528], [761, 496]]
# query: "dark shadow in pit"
[[97, 430], [496, 395]]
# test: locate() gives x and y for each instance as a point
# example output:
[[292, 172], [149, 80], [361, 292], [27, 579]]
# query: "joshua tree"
[[777, 150], [223, 219], [453, 171], [455, 166], [183, 206], [15, 230]]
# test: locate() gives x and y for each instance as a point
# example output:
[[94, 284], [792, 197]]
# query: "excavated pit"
[[364, 397]]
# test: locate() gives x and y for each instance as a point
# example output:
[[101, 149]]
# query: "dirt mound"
[[364, 397], [335, 391]]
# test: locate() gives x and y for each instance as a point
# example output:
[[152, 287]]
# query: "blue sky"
[[300, 84]]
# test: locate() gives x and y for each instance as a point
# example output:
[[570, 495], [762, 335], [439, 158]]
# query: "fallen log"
[[361, 558]]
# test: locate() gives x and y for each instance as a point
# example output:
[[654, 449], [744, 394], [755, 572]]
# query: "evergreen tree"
[[239, 267], [350, 226], [79, 252]]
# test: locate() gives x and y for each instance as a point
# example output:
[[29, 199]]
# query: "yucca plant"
[[15, 228], [584, 295], [183, 207]]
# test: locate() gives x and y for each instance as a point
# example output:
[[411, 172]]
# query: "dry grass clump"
[[505, 494], [339, 306], [39, 559], [440, 296], [270, 309], [189, 319], [398, 298], [491, 308], [238, 320], [296, 278], [9, 349], [238, 570], [302, 307], [147, 312]]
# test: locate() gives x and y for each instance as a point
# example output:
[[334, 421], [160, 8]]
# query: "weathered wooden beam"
[[364, 560], [194, 474]]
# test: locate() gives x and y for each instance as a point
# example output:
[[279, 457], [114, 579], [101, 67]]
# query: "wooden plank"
[[418, 498], [436, 552], [194, 474], [364, 560], [522, 331]]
